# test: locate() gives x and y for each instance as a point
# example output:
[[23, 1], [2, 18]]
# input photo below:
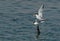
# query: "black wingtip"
[[43, 5]]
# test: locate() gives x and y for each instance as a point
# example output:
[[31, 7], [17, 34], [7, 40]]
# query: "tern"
[[39, 15], [39, 19]]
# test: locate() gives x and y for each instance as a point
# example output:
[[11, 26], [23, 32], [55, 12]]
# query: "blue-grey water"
[[16, 20]]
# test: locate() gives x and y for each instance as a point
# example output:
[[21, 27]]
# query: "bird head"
[[35, 14]]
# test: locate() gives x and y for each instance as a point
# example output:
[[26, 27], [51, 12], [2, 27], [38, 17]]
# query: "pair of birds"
[[39, 16]]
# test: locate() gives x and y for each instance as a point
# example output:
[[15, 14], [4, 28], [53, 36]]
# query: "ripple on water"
[[16, 20], [53, 8]]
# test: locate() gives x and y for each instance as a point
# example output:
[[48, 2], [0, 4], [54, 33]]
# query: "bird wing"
[[40, 11], [36, 22]]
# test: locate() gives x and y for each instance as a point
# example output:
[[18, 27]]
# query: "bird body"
[[39, 17]]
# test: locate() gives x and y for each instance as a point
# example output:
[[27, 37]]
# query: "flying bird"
[[39, 19], [39, 15]]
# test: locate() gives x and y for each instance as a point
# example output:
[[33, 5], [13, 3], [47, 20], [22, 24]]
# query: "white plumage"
[[39, 16], [36, 22]]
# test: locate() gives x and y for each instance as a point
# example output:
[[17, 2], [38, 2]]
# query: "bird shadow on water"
[[37, 33]]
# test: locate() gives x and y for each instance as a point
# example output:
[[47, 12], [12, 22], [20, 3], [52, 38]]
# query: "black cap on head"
[[36, 13]]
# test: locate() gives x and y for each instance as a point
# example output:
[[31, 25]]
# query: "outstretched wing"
[[40, 11]]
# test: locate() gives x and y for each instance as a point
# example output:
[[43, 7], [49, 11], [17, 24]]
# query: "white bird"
[[39, 15], [39, 18]]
